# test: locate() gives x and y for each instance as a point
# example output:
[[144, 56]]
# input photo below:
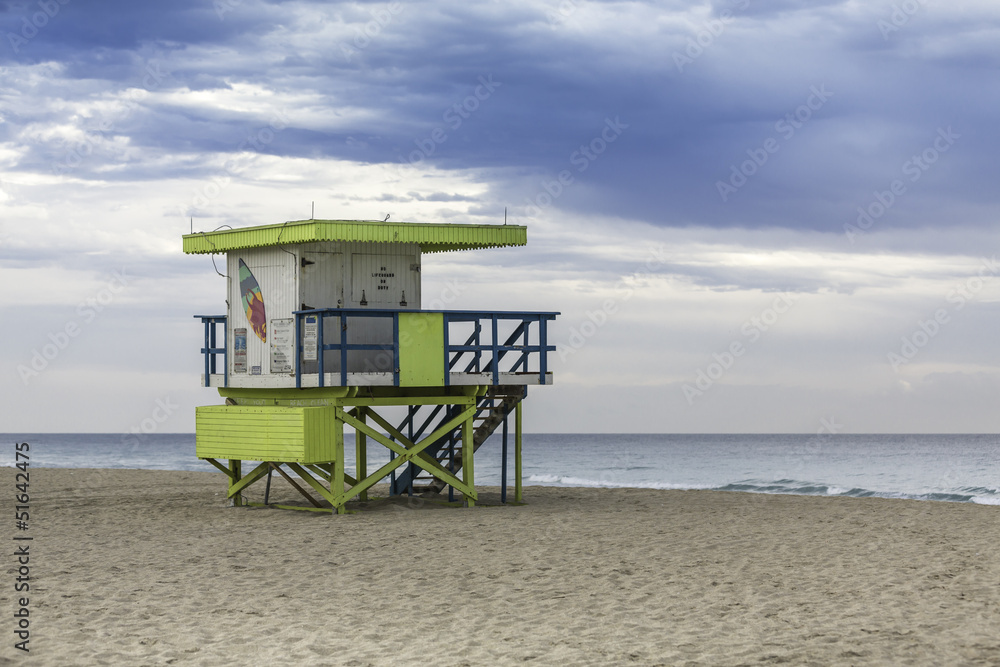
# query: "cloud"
[[765, 148], [374, 82]]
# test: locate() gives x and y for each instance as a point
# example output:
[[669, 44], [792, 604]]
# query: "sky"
[[752, 217]]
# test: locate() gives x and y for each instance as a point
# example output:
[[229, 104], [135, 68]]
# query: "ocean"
[[956, 468]]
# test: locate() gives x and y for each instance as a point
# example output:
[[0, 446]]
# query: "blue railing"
[[342, 346], [473, 349], [211, 349]]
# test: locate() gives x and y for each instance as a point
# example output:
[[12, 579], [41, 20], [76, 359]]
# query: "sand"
[[133, 567]]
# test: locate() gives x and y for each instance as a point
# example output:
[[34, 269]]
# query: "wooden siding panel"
[[269, 433]]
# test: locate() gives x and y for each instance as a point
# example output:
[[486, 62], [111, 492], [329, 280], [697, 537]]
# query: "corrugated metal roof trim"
[[430, 237]]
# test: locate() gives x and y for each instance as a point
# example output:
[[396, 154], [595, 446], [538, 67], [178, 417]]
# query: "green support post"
[[517, 453], [468, 471], [361, 452], [337, 482], [235, 468]]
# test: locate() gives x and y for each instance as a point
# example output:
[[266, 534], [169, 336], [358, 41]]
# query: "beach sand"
[[136, 567]]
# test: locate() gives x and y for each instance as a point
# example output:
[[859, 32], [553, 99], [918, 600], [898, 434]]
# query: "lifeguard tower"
[[323, 330]]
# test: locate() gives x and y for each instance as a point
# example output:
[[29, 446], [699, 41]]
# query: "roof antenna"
[[192, 224], [386, 218], [312, 216], [505, 215]]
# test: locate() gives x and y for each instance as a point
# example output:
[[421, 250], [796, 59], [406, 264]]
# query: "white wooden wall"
[[277, 275], [335, 275]]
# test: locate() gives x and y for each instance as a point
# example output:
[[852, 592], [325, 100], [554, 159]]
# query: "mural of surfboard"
[[253, 302]]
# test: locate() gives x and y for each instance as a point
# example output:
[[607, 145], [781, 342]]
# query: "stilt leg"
[[392, 476], [503, 461], [267, 489], [361, 453], [337, 480], [235, 467], [468, 472], [451, 465], [517, 453], [412, 469]]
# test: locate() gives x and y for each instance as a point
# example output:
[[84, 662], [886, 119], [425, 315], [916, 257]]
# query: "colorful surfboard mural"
[[253, 302]]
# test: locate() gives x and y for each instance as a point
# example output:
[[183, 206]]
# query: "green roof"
[[431, 237]]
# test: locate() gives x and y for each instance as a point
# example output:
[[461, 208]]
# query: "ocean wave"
[[813, 489], [781, 486], [567, 480], [981, 490]]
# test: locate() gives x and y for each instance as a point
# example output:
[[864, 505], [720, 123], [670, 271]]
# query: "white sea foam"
[[985, 500], [567, 480]]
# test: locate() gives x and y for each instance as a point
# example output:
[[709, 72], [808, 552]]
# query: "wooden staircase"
[[491, 410]]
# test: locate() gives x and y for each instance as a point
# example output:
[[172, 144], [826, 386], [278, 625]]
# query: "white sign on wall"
[[310, 338], [239, 350], [282, 334]]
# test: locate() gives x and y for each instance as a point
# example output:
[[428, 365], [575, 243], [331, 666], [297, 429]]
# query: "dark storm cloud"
[[84, 31], [741, 115]]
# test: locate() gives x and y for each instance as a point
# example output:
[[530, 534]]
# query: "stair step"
[[489, 416]]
